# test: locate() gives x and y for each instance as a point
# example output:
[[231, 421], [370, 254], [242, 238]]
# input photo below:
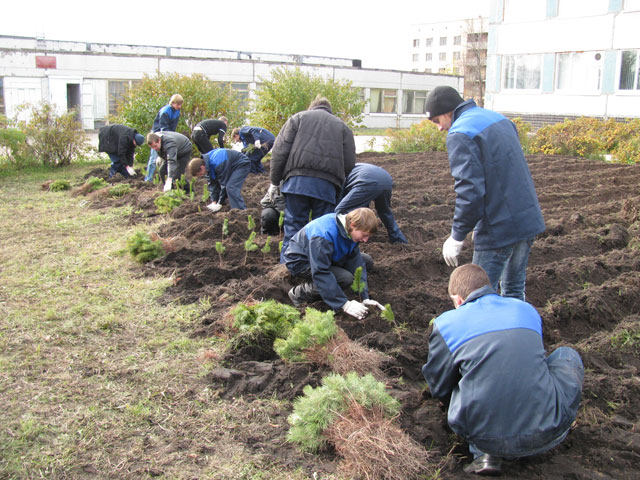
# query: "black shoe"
[[485, 464], [303, 293]]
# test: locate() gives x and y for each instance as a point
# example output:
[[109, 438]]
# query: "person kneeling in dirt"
[[325, 252], [226, 171], [273, 204], [119, 142], [174, 150], [487, 363], [367, 182]]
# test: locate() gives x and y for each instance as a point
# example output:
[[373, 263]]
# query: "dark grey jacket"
[[176, 149], [313, 143]]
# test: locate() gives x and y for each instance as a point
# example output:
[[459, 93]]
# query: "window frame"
[[635, 84], [384, 95], [416, 97], [516, 68]]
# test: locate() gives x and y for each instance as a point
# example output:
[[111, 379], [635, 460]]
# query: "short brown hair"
[[318, 101], [363, 219], [176, 98], [235, 131], [467, 278], [195, 165], [152, 137], [224, 119]]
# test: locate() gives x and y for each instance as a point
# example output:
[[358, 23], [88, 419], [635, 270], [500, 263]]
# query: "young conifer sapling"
[[358, 285], [220, 248], [250, 246]]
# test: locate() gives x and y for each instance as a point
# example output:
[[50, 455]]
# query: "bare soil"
[[583, 277]]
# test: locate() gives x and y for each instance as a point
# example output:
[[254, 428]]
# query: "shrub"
[[420, 137], [628, 151], [524, 129], [59, 186], [53, 139], [119, 190], [317, 409], [143, 249], [13, 144], [316, 328], [95, 183], [170, 200], [269, 319], [583, 137], [291, 91]]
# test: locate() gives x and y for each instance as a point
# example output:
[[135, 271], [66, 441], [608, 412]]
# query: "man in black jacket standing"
[[119, 142], [312, 155]]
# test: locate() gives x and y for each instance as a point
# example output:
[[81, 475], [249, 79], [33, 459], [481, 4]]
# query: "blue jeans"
[[151, 166], [506, 267], [117, 166], [565, 366]]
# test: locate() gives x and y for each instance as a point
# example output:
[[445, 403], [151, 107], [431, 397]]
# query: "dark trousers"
[[201, 141], [117, 166]]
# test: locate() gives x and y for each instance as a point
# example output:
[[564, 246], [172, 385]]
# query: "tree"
[[203, 98], [475, 61], [291, 91]]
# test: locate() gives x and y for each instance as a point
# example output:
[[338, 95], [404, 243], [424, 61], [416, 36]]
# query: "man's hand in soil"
[[450, 251], [214, 207], [372, 303], [355, 309], [168, 184]]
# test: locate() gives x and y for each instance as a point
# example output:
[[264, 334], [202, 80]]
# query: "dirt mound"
[[583, 278]]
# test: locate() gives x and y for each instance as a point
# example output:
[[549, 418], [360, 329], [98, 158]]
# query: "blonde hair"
[[467, 278], [363, 219], [195, 165], [176, 98], [152, 137], [224, 119]]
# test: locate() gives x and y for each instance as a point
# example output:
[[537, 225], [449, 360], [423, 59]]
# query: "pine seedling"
[[280, 246], [269, 319], [250, 246], [225, 228], [192, 193], [281, 220], [250, 223], [205, 193], [143, 249], [266, 249], [59, 186], [96, 183], [315, 329], [358, 285], [220, 248], [119, 190], [390, 317]]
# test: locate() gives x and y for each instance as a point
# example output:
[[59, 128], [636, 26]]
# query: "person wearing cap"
[[204, 130], [174, 150], [367, 183], [495, 195], [166, 121], [257, 142], [119, 142]]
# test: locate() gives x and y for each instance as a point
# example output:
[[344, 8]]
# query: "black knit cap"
[[442, 99]]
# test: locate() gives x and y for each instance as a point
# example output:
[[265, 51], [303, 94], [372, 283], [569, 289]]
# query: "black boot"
[[485, 464], [303, 293]]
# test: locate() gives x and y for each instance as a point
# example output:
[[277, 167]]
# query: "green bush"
[[268, 319], [316, 410], [291, 91], [170, 200], [13, 144], [628, 151], [59, 186], [143, 249], [52, 139], [583, 137], [420, 137], [316, 328], [203, 98], [95, 183], [524, 129], [119, 190]]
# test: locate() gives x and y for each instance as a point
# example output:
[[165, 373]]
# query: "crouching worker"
[[488, 363], [226, 171], [174, 150], [325, 253], [119, 142]]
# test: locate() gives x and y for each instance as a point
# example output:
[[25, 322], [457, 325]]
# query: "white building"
[[553, 59], [91, 77]]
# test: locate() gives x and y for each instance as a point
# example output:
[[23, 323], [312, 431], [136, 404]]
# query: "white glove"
[[167, 184], [257, 143], [355, 309], [214, 207], [450, 251], [131, 171], [372, 303], [274, 191]]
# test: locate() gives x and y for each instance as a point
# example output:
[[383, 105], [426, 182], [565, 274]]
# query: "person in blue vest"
[[257, 143], [495, 195], [366, 183], [487, 363], [226, 168], [166, 121], [119, 142], [325, 254], [204, 130]]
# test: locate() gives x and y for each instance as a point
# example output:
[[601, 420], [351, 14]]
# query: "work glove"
[[257, 143], [372, 303], [131, 171], [355, 309], [214, 207], [450, 251], [167, 184], [273, 192]]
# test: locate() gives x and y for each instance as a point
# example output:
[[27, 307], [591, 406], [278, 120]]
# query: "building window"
[[428, 42], [629, 70], [457, 40], [117, 89], [522, 72], [414, 101], [383, 101], [443, 56], [456, 55], [416, 43], [428, 57], [580, 72], [443, 41], [2, 110], [415, 57], [517, 10], [242, 89]]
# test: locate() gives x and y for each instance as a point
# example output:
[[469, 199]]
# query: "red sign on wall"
[[45, 62]]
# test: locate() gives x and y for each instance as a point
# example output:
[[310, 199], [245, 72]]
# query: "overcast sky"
[[378, 32]]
